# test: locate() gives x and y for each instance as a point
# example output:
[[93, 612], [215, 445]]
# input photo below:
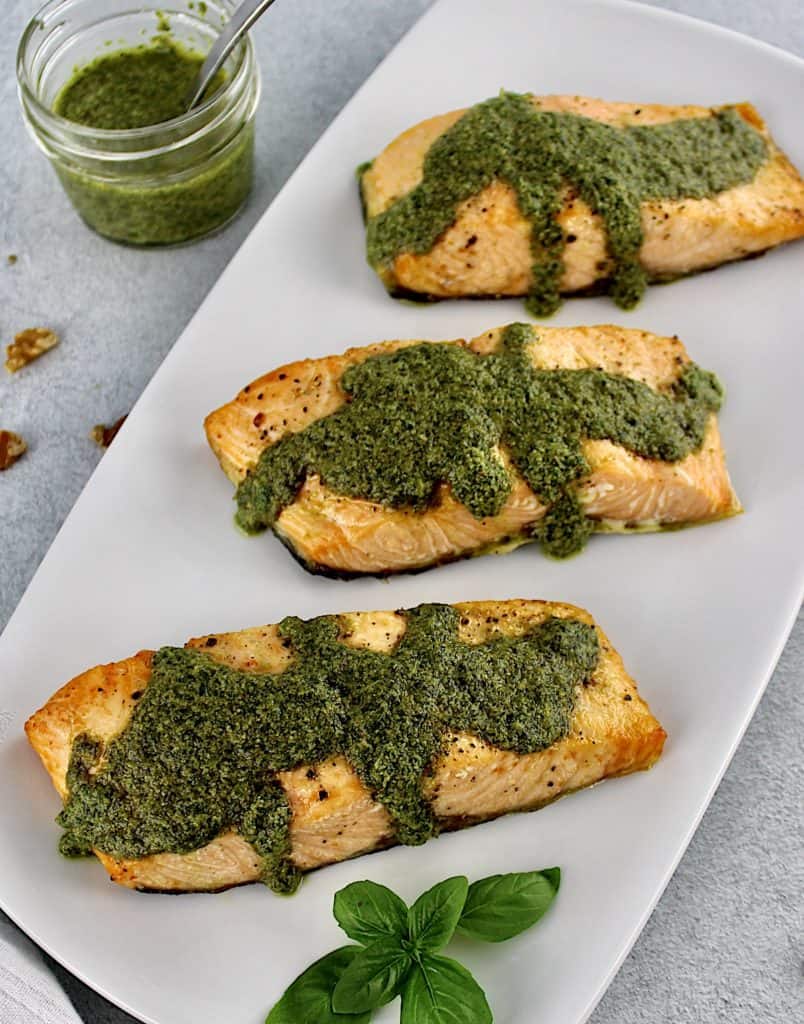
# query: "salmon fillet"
[[612, 732], [487, 249], [340, 535]]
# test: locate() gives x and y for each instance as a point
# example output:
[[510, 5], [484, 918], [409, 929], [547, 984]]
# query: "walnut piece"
[[28, 345], [104, 435], [12, 447]]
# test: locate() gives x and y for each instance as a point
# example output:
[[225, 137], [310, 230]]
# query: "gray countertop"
[[722, 943]]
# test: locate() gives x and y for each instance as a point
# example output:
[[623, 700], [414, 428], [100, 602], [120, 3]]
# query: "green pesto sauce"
[[539, 154], [433, 413], [170, 197], [200, 753], [132, 88]]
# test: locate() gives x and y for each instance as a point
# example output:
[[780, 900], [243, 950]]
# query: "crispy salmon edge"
[[115, 687]]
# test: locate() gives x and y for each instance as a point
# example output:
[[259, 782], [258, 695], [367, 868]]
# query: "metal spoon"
[[239, 23]]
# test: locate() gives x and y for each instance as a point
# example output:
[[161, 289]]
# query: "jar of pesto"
[[102, 85]]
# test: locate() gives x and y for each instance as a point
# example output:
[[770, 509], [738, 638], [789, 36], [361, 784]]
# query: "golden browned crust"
[[613, 732]]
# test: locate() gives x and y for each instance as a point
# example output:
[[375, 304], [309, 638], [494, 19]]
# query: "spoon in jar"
[[239, 23]]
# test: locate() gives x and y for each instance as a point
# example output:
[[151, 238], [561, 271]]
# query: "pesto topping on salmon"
[[432, 414], [200, 754], [543, 154]]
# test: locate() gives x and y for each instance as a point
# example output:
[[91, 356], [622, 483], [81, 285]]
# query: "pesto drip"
[[431, 414], [200, 753], [540, 154]]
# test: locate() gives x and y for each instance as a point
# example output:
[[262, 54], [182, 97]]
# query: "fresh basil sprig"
[[398, 951], [434, 916], [309, 998], [502, 906], [367, 911], [441, 990], [373, 978]]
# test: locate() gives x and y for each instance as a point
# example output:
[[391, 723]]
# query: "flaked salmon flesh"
[[330, 532], [680, 236], [612, 732]]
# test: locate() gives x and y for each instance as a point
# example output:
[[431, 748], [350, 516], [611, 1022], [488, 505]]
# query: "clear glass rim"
[[183, 127]]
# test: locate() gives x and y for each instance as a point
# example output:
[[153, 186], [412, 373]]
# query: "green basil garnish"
[[398, 948], [442, 991], [434, 916], [502, 906], [309, 998], [368, 911]]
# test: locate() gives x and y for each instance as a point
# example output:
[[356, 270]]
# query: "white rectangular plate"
[[149, 555]]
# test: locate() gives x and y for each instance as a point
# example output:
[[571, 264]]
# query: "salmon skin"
[[343, 536], [333, 814], [490, 246]]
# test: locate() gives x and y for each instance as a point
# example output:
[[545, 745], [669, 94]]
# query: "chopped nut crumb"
[[104, 435], [11, 259], [29, 345], [12, 447]]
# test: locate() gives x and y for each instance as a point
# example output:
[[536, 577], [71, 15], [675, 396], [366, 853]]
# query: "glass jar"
[[160, 185]]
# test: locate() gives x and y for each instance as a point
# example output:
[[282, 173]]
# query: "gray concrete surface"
[[723, 944]]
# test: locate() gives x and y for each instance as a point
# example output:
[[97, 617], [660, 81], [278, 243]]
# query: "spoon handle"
[[240, 22]]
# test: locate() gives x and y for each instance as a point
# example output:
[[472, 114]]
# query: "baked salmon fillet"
[[362, 496], [140, 749], [550, 195]]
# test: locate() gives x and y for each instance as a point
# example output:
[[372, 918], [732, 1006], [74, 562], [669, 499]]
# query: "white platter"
[[149, 556]]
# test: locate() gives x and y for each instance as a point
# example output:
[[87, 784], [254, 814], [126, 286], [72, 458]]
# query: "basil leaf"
[[499, 907], [442, 991], [367, 911], [434, 915], [373, 978], [309, 997]]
